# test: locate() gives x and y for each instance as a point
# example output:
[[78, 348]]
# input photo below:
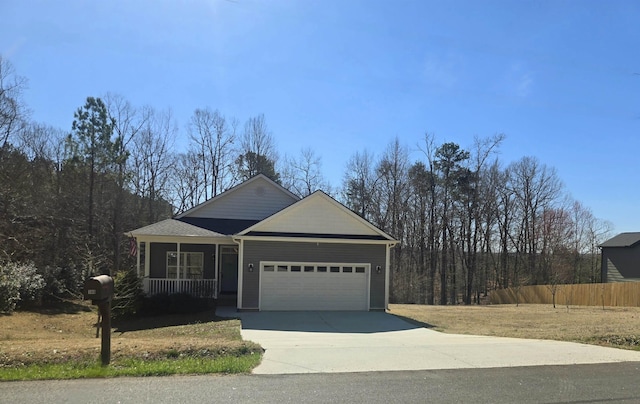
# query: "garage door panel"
[[314, 290]]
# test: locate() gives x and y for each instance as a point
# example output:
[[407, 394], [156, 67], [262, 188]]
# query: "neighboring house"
[[272, 249], [621, 258]]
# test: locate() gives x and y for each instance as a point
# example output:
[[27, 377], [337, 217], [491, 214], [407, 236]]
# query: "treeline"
[[467, 223], [68, 196], [65, 200]]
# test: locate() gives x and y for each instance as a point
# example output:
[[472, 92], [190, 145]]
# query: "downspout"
[[387, 276], [603, 266]]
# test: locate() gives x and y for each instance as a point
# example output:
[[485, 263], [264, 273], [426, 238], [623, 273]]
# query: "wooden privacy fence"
[[587, 294]]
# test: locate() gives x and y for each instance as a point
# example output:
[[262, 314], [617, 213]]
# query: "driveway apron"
[[319, 342]]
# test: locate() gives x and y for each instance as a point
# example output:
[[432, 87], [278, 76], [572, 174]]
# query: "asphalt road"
[[600, 383]]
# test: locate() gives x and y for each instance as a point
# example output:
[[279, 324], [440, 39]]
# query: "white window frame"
[[181, 267]]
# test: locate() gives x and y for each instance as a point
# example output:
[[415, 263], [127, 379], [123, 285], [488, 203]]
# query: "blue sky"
[[561, 79]]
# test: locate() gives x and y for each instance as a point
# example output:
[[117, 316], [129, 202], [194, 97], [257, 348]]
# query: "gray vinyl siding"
[[256, 251], [158, 258], [621, 264], [256, 200]]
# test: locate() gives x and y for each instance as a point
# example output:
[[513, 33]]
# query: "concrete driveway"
[[319, 342]]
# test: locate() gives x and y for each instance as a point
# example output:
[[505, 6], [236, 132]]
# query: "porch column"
[[147, 258], [138, 257], [216, 267], [178, 267]]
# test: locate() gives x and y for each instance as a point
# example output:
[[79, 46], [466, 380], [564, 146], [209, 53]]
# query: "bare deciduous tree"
[[257, 154], [13, 112], [360, 183], [536, 188], [472, 217], [187, 183], [127, 124], [392, 198], [41, 141], [429, 150], [213, 138], [303, 175], [152, 162]]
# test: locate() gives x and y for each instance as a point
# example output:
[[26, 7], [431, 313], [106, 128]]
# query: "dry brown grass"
[[614, 326], [69, 333]]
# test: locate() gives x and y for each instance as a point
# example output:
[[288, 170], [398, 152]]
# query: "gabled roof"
[[261, 180], [173, 227], [227, 213], [317, 216], [623, 240]]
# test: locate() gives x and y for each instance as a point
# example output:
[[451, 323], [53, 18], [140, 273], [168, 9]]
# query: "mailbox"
[[98, 288]]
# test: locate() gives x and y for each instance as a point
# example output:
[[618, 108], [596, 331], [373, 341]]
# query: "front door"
[[229, 270]]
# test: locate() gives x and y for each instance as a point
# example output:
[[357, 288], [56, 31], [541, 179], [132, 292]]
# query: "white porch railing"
[[195, 287]]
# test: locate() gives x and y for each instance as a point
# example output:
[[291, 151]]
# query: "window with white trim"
[[191, 265]]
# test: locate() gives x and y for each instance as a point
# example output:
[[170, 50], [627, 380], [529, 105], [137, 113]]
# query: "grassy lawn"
[[61, 343], [614, 326]]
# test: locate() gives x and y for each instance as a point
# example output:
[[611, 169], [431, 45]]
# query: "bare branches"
[[257, 151], [303, 175], [13, 112], [360, 183], [213, 138], [152, 161]]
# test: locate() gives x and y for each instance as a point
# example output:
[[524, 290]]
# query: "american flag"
[[133, 246]]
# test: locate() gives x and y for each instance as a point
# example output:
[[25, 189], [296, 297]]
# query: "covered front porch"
[[201, 265]]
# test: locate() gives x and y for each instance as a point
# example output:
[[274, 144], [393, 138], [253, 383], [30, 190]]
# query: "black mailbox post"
[[100, 290]]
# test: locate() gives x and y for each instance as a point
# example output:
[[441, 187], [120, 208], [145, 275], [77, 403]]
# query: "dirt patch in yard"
[[613, 326], [68, 332]]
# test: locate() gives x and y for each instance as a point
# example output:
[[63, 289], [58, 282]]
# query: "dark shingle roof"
[[222, 226], [622, 240], [172, 227]]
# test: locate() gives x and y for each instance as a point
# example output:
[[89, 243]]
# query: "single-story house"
[[621, 258], [271, 249]]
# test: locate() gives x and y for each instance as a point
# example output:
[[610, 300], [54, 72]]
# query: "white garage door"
[[314, 286]]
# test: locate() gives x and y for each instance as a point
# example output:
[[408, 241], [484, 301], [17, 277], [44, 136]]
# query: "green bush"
[[62, 281], [20, 285], [128, 293], [9, 290]]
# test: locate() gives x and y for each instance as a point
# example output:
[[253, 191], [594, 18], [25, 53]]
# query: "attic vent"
[[260, 191]]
